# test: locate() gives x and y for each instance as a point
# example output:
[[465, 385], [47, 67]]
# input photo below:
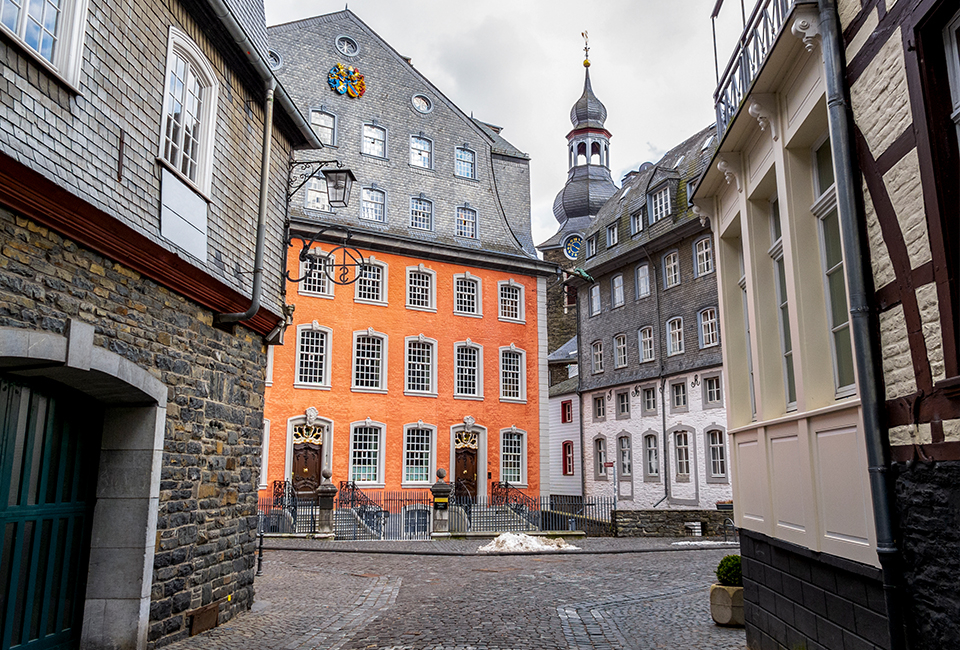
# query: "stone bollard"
[[441, 505], [323, 528]]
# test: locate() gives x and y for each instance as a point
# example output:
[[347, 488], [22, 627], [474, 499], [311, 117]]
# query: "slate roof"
[[500, 145], [250, 14], [588, 112], [565, 353], [565, 387]]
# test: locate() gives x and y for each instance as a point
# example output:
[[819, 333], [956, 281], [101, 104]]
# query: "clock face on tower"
[[571, 247]]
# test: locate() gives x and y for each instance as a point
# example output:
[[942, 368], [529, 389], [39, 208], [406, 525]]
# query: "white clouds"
[[518, 64]]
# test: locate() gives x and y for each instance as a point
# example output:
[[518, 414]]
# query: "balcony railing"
[[762, 29]]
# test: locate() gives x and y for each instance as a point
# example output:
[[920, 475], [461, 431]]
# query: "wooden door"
[[466, 469], [307, 461]]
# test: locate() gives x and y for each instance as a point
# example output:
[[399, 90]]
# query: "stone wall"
[[668, 523], [797, 598], [207, 517]]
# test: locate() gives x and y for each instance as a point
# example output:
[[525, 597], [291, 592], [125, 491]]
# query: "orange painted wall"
[[394, 409]]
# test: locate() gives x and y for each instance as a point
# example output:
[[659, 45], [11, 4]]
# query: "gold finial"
[[586, 48]]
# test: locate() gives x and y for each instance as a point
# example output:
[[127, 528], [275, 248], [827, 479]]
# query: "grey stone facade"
[[671, 523]]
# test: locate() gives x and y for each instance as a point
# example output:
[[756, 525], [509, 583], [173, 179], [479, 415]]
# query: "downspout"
[[861, 317], [663, 385], [261, 214]]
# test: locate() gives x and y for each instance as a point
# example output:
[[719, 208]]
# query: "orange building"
[[435, 356]]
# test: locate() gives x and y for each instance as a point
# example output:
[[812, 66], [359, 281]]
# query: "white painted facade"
[[559, 433]]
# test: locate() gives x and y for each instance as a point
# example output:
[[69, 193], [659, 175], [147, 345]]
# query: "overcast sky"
[[519, 64]]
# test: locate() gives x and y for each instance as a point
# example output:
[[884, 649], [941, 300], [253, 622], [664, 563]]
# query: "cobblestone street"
[[637, 594]]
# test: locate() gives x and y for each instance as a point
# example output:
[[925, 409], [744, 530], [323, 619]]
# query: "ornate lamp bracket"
[[343, 258], [303, 171]]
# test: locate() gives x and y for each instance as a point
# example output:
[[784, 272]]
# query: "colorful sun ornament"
[[346, 80]]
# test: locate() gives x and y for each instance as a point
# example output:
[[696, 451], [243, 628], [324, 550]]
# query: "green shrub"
[[728, 571]]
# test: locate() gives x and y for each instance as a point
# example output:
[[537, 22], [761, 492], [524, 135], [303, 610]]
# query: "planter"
[[726, 605], [725, 506]]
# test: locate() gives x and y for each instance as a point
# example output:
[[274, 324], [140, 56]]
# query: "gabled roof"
[[565, 387], [565, 353]]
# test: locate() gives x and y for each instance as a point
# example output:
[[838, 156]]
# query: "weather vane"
[[586, 48]]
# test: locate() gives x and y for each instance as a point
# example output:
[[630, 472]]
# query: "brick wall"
[[796, 598], [207, 517], [668, 523]]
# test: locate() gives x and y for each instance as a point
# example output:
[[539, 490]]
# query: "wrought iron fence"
[[389, 515], [510, 510]]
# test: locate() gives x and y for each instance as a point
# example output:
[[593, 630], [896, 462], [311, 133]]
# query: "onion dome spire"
[[588, 112]]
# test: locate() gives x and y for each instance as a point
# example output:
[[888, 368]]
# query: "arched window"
[[567, 457]]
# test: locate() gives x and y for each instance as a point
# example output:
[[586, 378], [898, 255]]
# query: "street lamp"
[[339, 182]]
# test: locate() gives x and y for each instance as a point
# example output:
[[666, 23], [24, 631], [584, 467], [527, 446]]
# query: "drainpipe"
[[663, 385], [261, 215], [865, 345]]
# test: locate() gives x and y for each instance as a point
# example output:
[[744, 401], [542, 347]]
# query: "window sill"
[[713, 405], [373, 485], [471, 398], [471, 179], [644, 414], [513, 400], [623, 417], [432, 310], [374, 156], [416, 485], [371, 223], [601, 477], [680, 409], [163, 162], [314, 294], [642, 361], [717, 480], [467, 315], [410, 393], [311, 386], [420, 168], [49, 67], [675, 354], [375, 391], [512, 320], [375, 303], [682, 478], [651, 479]]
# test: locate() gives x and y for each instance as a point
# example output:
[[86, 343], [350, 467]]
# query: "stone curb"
[[477, 554]]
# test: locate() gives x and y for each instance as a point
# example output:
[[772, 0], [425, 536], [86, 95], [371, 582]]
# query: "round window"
[[347, 46], [274, 59], [422, 103]]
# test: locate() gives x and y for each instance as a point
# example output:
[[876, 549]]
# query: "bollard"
[[323, 524], [441, 504], [260, 555]]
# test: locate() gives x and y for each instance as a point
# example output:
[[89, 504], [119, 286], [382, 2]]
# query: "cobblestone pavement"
[[642, 597]]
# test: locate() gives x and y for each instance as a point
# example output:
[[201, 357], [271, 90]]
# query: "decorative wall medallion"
[[311, 414], [347, 46], [571, 247], [304, 433], [422, 103], [346, 80]]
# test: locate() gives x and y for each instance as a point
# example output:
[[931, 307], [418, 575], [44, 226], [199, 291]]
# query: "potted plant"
[[726, 597], [725, 505]]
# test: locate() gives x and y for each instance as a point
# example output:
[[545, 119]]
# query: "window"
[[421, 152], [421, 366], [466, 223], [709, 334], [315, 281], [823, 164], [417, 453], [951, 41], [374, 140], [313, 356], [591, 246], [643, 281], [369, 361], [511, 301], [600, 457], [325, 126], [620, 349], [513, 375], [264, 454], [613, 235], [512, 466], [468, 370], [372, 283], [636, 222], [597, 356], [52, 29], [649, 400], [780, 280], [365, 457], [421, 214], [599, 407], [315, 197], [567, 456], [466, 295], [372, 205], [421, 288], [566, 411], [660, 205], [651, 457], [623, 405], [616, 291], [712, 394], [682, 442], [671, 270], [679, 394], [646, 344], [595, 300], [703, 251], [625, 455], [835, 289], [466, 163], [675, 336], [190, 100], [569, 296], [718, 454]]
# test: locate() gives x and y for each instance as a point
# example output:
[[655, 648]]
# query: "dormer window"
[[613, 235], [659, 205]]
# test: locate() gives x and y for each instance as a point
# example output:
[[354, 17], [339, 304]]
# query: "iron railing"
[[510, 510]]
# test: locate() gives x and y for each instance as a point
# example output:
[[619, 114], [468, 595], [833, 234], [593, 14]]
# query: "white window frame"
[[625, 456], [304, 288], [645, 407], [384, 268], [364, 139], [262, 483], [183, 46], [457, 163], [596, 357], [364, 202], [613, 235], [675, 336], [406, 482], [616, 291], [67, 58], [380, 480], [324, 382], [659, 204], [674, 393], [268, 380], [463, 212], [428, 150], [622, 405], [683, 460], [595, 305], [599, 458], [645, 343], [641, 277], [424, 203], [522, 397], [315, 196], [522, 315], [651, 457], [591, 246], [953, 68], [477, 282], [567, 458], [620, 351], [783, 307], [709, 338], [703, 257], [333, 135], [717, 462], [478, 396], [431, 290], [636, 222], [708, 398], [671, 269], [384, 341], [432, 391], [599, 407], [513, 431]]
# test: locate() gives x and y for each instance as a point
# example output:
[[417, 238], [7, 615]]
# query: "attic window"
[[347, 46], [274, 59], [707, 143]]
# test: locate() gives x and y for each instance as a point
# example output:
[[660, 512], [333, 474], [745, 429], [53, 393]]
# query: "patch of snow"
[[705, 543], [521, 543]]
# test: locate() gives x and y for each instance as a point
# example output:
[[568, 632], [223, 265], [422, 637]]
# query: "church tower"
[[588, 187]]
